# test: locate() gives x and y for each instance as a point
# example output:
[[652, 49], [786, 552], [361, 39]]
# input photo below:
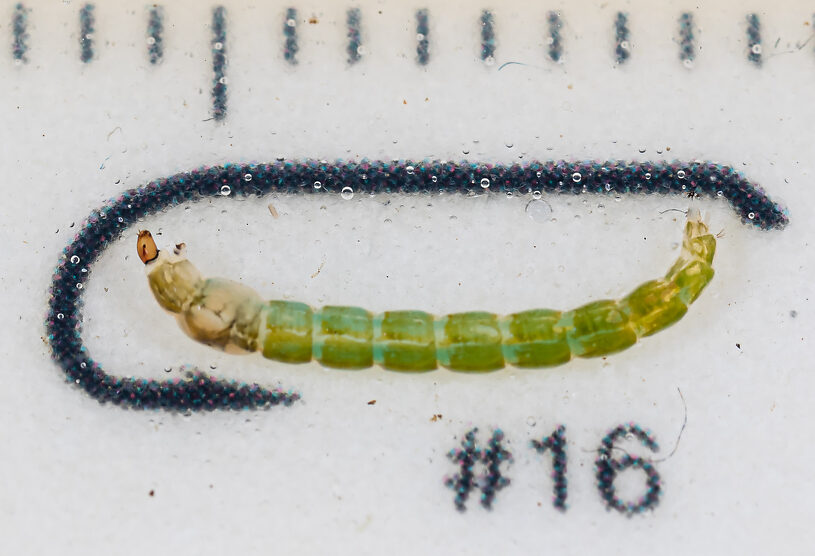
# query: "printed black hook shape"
[[200, 391]]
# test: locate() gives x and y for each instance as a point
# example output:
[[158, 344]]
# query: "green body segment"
[[288, 331], [405, 341], [343, 337], [597, 329], [469, 342], [414, 341], [535, 339]]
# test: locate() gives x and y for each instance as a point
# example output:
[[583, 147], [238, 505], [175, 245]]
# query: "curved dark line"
[[207, 392]]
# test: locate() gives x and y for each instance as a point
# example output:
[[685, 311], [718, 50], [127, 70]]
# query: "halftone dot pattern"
[[687, 52], [555, 40], [754, 39], [467, 457], [219, 63], [556, 443], [353, 19], [87, 21], [19, 41], [622, 48], [487, 37], [422, 37], [155, 29], [607, 468], [290, 47]]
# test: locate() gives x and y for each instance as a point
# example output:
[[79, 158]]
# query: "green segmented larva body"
[[232, 317]]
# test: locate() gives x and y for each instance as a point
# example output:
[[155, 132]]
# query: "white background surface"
[[334, 474]]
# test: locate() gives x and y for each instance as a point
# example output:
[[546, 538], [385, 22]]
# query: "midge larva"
[[234, 318], [203, 391]]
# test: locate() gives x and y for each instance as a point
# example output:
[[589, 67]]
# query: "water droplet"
[[688, 63], [750, 215], [642, 150], [489, 60], [79, 286], [485, 183], [434, 179], [648, 175], [291, 22], [624, 45], [509, 145], [213, 366], [83, 365], [167, 369], [465, 152], [756, 49], [247, 177], [360, 50], [74, 259], [629, 436], [347, 193], [60, 316], [538, 210], [410, 170], [720, 193], [225, 190], [538, 173], [608, 186], [218, 46], [317, 185], [151, 40], [120, 219], [536, 194], [576, 177], [509, 194], [222, 80], [561, 268], [531, 421], [681, 174], [419, 37]]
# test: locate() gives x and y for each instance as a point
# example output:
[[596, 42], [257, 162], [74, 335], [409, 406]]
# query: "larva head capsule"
[[146, 247], [172, 278]]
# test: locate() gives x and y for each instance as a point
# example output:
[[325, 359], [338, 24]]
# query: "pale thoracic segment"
[[232, 317]]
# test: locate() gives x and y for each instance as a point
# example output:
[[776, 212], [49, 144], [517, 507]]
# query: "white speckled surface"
[[334, 474]]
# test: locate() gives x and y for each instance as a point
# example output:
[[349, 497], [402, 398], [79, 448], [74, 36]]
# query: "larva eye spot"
[[146, 247]]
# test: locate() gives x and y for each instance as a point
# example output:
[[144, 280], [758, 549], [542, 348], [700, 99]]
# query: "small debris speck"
[[793, 313], [152, 492], [436, 417], [738, 346], [372, 402]]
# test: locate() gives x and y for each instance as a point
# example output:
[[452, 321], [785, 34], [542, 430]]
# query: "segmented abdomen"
[[353, 338]]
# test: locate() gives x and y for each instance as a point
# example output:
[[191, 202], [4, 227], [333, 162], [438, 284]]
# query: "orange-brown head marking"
[[146, 247]]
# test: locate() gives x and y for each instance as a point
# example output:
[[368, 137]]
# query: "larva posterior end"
[[697, 225]]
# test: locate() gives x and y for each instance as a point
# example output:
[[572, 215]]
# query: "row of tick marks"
[[354, 48]]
